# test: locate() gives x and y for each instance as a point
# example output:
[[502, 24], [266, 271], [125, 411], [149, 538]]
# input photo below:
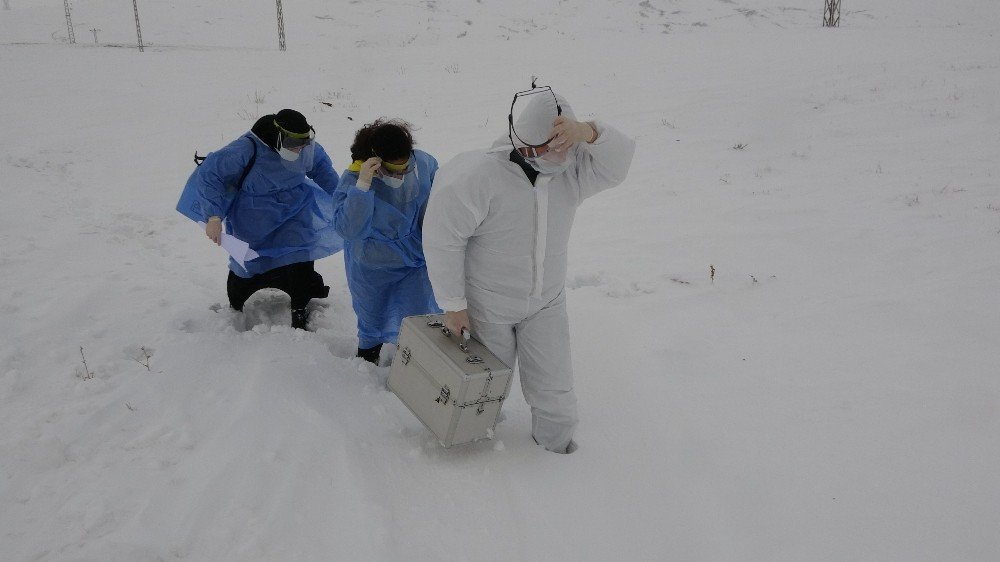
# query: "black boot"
[[300, 317], [317, 289], [370, 354]]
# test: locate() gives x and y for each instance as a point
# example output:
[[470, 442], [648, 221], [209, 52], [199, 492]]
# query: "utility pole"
[[138, 28], [831, 13], [69, 23], [281, 28]]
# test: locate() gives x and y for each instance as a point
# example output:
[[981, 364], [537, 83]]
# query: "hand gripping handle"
[[463, 345]]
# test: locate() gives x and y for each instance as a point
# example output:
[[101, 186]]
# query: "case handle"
[[463, 345]]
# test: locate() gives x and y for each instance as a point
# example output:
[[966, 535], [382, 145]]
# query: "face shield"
[[534, 125], [542, 152], [394, 175], [397, 184], [546, 161], [550, 167], [531, 133], [297, 150]]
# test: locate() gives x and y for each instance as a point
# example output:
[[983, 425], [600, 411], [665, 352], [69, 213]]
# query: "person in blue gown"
[[379, 211], [272, 188]]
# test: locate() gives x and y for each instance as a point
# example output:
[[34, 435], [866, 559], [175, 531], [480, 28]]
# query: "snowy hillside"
[[784, 323]]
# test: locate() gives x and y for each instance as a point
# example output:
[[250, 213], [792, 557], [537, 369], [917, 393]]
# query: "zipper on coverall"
[[541, 193]]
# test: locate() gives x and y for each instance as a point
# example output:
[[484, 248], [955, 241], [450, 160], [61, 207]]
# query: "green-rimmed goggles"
[[291, 140]]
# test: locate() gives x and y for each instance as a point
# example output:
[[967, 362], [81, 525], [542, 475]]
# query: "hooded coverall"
[[497, 246]]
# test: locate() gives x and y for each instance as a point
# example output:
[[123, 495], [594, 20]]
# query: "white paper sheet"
[[238, 249]]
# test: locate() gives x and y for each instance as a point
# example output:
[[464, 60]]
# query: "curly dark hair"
[[389, 139]]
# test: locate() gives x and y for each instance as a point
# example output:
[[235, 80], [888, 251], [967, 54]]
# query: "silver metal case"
[[455, 387]]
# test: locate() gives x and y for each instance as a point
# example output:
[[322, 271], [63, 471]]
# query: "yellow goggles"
[[397, 168], [392, 169]]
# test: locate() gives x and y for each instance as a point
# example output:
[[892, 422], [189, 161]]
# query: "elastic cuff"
[[599, 127]]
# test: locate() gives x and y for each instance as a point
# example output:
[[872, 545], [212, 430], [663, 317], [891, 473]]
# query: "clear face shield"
[[397, 184], [512, 132], [534, 153], [297, 150], [393, 175], [538, 156]]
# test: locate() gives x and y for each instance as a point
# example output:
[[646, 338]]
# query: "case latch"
[[445, 394], [486, 387], [485, 393]]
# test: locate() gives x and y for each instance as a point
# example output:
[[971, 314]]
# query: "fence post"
[[138, 28], [281, 28], [69, 23], [831, 13]]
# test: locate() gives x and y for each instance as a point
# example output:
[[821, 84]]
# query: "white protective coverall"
[[497, 246]]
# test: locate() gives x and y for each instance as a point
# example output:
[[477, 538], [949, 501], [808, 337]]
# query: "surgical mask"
[[289, 155], [547, 166], [300, 159], [291, 146], [394, 175], [545, 160], [392, 181]]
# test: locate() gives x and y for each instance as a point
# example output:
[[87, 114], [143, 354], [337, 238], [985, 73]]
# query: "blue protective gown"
[[383, 250], [286, 216]]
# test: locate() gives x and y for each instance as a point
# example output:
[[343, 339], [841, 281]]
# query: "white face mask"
[[287, 154], [392, 182], [549, 168]]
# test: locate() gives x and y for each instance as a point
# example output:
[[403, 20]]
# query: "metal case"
[[455, 387]]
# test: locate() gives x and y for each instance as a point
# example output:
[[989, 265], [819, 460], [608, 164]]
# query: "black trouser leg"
[[239, 290], [300, 281], [292, 280]]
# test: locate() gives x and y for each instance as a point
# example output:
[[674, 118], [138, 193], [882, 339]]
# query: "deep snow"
[[830, 393]]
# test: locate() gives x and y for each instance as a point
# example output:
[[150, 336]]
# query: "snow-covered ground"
[[785, 322]]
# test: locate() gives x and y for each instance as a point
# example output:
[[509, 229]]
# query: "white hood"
[[533, 124], [497, 245]]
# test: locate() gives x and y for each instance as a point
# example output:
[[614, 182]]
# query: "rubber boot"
[[370, 354], [300, 318]]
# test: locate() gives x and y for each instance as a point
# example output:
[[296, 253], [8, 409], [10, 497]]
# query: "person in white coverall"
[[495, 239]]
